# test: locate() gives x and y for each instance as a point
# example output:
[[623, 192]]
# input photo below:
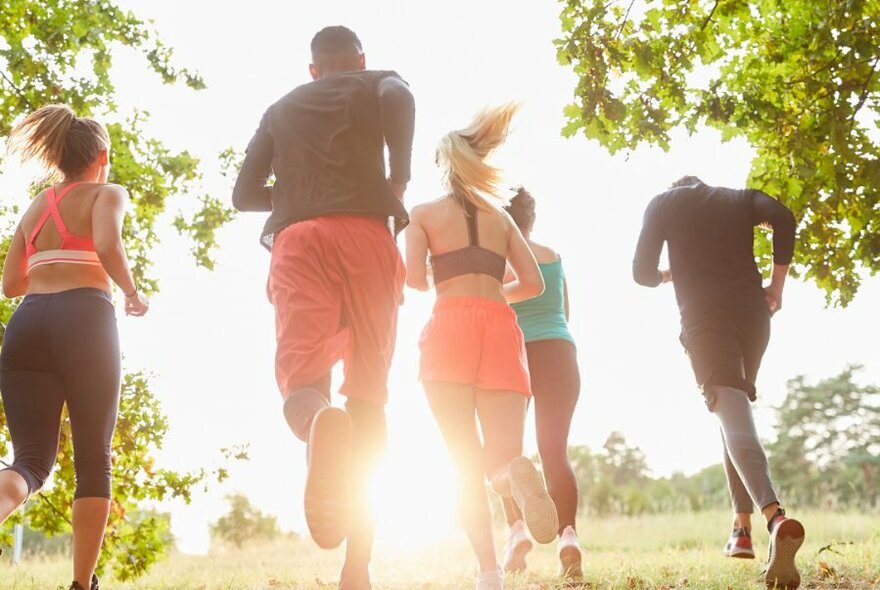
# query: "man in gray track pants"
[[725, 319]]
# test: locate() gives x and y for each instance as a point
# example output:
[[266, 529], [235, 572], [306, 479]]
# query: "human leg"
[[369, 438], [302, 405], [92, 376], [32, 402], [33, 398], [371, 274], [556, 387], [745, 451], [740, 542], [502, 417], [453, 406], [305, 288]]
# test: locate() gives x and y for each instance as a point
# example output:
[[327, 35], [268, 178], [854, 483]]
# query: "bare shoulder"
[[509, 223], [114, 189], [543, 253], [112, 193], [426, 210]]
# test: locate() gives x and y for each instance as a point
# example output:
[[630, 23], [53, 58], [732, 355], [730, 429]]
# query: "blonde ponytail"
[[462, 154], [58, 140]]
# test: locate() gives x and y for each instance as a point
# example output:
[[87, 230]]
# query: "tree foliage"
[[61, 51], [797, 79], [243, 523], [827, 450]]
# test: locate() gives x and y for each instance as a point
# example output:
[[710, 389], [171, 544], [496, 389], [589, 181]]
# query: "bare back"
[[446, 229], [76, 210]]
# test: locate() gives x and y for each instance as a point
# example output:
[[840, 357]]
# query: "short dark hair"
[[335, 40], [522, 209], [686, 181]]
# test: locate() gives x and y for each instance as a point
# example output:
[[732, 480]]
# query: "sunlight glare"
[[414, 492]]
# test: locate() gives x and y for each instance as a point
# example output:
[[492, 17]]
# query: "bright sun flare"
[[415, 489]]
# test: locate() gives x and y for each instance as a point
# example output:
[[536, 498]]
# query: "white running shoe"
[[518, 545], [534, 502], [569, 551], [491, 580]]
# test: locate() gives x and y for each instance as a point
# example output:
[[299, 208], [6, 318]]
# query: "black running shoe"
[[92, 586]]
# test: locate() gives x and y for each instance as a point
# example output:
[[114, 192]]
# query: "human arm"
[[416, 252], [397, 113], [647, 256], [528, 281], [251, 192], [773, 291], [770, 212], [107, 217], [509, 275], [15, 276]]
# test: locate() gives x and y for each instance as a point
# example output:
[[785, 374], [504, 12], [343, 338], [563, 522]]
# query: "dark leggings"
[[556, 385], [62, 348]]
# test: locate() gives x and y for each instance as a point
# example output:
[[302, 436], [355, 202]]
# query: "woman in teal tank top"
[[555, 381]]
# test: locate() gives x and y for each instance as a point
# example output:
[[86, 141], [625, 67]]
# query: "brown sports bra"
[[473, 258]]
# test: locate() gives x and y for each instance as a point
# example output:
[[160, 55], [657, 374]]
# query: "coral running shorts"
[[474, 340]]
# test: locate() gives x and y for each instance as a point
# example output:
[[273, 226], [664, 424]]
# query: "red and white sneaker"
[[740, 544], [519, 543], [786, 537], [569, 551]]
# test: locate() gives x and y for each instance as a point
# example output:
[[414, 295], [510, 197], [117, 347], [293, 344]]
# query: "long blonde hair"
[[461, 156], [58, 140]]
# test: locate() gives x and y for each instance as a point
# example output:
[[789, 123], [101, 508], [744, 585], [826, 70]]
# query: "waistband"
[[461, 301], [331, 219], [69, 294]]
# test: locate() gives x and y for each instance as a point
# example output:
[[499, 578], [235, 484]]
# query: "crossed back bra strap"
[[52, 200]]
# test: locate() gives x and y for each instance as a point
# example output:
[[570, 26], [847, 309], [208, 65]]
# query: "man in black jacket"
[[725, 318], [336, 276]]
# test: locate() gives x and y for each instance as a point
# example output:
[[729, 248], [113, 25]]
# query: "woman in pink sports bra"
[[61, 346], [473, 362]]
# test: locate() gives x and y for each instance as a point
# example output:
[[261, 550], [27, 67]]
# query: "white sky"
[[209, 336]]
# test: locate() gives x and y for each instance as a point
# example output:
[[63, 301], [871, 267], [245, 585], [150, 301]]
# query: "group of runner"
[[497, 337]]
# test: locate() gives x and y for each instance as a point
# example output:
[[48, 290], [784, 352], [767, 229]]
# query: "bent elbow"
[[417, 284], [536, 288], [646, 277], [238, 201], [12, 289]]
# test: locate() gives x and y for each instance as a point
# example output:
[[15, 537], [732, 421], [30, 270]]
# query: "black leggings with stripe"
[[62, 348]]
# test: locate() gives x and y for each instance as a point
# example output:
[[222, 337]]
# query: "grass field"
[[654, 552]]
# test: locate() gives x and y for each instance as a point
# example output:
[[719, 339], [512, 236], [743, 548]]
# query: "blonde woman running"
[[473, 364]]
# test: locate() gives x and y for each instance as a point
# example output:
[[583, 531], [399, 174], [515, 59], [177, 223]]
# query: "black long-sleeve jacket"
[[710, 235]]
